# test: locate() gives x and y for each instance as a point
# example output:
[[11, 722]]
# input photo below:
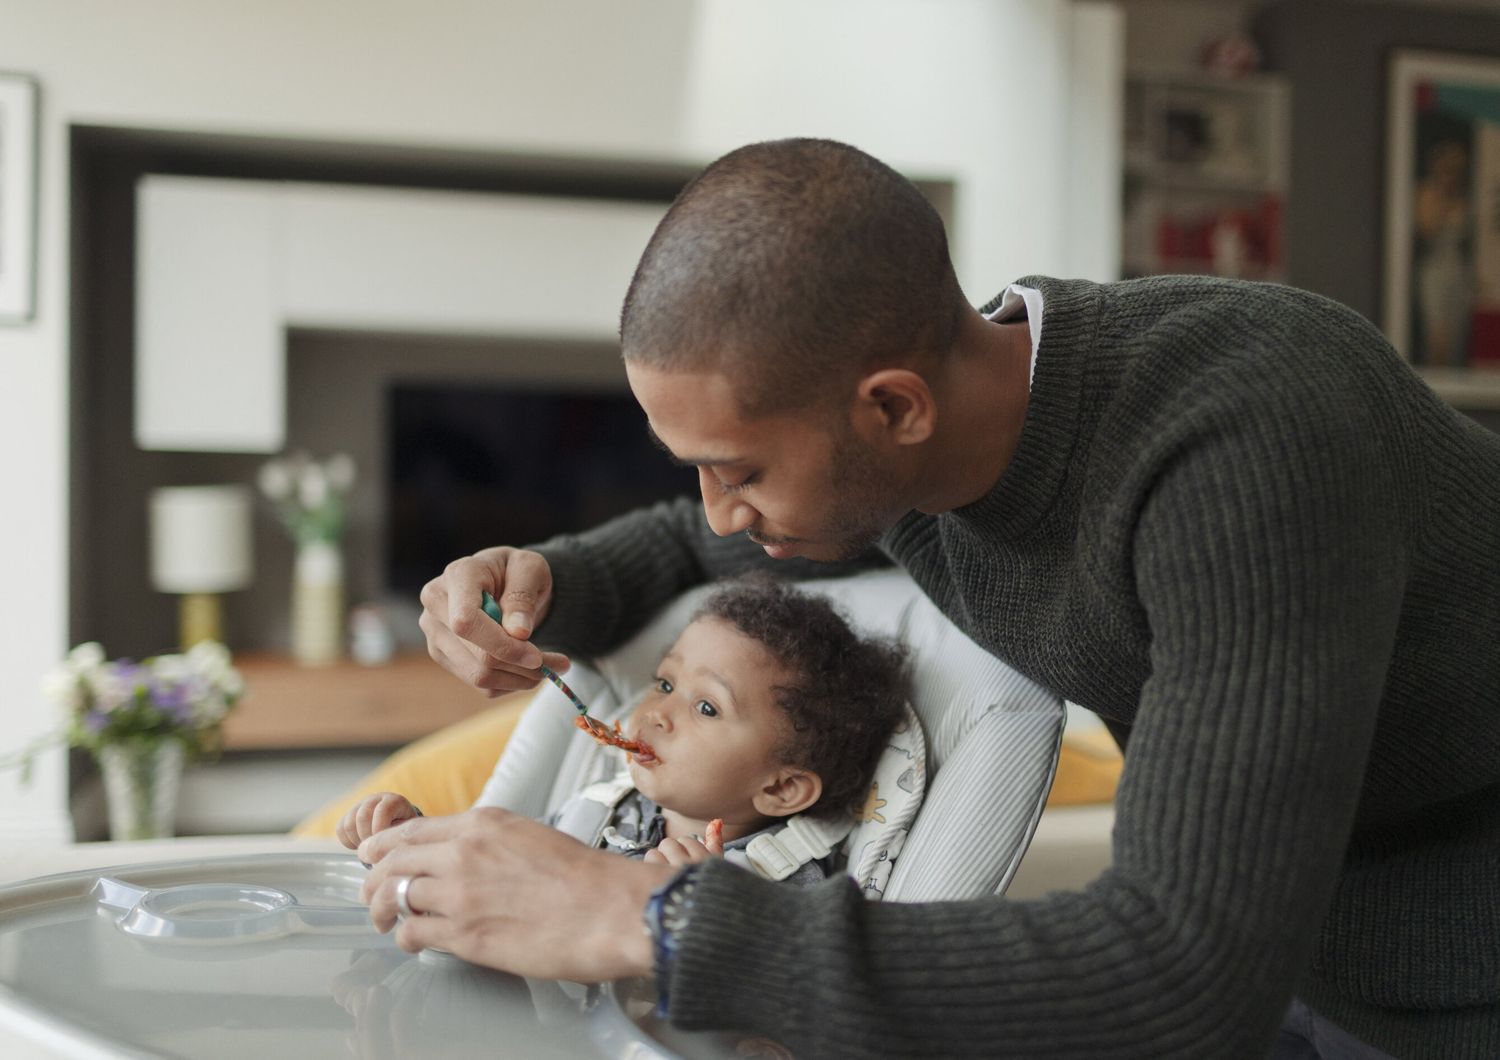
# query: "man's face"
[[798, 484]]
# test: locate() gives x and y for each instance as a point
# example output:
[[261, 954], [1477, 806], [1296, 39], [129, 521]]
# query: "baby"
[[767, 705]]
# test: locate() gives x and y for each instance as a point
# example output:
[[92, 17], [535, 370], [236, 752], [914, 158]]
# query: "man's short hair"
[[845, 694], [794, 266]]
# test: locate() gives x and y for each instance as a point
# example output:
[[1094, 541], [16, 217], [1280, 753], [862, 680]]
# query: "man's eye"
[[737, 487], [707, 709], [664, 686]]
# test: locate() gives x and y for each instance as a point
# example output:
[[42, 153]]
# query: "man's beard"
[[864, 492]]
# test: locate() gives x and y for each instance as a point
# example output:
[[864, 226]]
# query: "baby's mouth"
[[646, 756]]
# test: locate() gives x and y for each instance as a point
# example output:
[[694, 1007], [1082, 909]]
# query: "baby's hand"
[[690, 850], [374, 813]]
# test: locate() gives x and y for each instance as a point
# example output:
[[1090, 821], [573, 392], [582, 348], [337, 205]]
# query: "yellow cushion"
[[1088, 769], [442, 773]]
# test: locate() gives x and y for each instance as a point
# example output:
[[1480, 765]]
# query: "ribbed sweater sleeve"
[[1271, 628]]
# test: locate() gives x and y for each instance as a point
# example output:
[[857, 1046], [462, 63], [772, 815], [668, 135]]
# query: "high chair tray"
[[272, 955]]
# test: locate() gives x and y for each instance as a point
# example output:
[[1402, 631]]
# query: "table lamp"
[[200, 547]]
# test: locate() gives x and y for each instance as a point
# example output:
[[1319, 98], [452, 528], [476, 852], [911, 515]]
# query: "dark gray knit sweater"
[[1238, 527]]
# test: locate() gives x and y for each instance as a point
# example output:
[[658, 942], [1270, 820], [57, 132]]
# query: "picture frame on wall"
[[1441, 304], [18, 197], [1210, 129]]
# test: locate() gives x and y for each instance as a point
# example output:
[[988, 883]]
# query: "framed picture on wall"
[[18, 191], [1442, 236]]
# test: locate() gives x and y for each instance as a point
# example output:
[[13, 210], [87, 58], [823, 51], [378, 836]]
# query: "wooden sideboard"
[[288, 706]]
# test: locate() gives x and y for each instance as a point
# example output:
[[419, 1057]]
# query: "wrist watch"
[[665, 918]]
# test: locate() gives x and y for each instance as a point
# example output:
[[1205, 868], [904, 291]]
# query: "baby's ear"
[[790, 790]]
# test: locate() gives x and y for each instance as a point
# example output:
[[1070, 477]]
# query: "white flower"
[[63, 690], [173, 669], [211, 710], [275, 480], [86, 657], [232, 685], [111, 690], [210, 661], [340, 472], [208, 657], [312, 487]]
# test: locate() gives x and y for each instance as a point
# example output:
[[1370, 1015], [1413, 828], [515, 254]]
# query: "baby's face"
[[711, 723]]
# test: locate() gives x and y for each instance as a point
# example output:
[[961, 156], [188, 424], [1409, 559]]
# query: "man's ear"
[[895, 404], [790, 790]]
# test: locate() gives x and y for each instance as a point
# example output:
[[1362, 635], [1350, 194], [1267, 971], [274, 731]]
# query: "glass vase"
[[141, 781], [318, 603]]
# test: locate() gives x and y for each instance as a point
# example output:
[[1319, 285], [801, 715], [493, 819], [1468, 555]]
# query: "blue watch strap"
[[665, 917]]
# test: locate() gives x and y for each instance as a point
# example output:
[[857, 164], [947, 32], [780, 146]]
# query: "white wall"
[[229, 265], [977, 89]]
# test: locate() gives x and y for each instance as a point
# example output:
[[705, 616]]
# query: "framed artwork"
[[1212, 129], [18, 189], [1442, 237]]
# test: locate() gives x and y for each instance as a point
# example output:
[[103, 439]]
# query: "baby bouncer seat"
[[957, 792]]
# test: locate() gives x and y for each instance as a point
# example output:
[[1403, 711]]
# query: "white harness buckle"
[[778, 854]]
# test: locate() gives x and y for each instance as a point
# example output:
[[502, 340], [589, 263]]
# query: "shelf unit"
[[344, 706], [1205, 174]]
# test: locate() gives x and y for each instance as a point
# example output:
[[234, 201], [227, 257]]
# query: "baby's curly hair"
[[846, 693]]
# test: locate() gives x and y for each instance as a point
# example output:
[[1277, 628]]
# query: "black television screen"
[[472, 466]]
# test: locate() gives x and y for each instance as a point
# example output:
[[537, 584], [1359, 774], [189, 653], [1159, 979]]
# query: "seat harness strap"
[[586, 815], [776, 855], [772, 855]]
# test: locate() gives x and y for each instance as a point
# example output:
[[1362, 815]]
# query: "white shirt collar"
[[1022, 301]]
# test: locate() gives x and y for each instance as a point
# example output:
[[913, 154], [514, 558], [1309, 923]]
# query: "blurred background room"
[[358, 267]]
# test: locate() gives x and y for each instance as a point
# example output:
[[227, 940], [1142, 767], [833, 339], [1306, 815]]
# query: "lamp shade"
[[200, 539]]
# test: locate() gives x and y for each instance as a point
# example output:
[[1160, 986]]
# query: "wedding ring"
[[403, 903]]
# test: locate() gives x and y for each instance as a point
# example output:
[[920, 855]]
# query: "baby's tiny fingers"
[[363, 816], [393, 810], [674, 852], [689, 850]]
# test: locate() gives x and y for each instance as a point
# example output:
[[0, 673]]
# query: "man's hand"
[[504, 891], [469, 644], [371, 814]]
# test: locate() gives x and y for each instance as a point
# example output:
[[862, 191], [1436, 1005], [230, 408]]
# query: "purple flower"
[[116, 685], [166, 695], [177, 699]]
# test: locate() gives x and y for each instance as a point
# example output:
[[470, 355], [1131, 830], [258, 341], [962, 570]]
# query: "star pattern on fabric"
[[870, 811]]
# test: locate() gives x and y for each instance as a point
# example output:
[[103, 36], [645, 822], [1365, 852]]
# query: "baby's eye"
[[664, 686], [707, 709]]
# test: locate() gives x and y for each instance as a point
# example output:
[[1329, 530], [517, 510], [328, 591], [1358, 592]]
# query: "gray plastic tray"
[[271, 955]]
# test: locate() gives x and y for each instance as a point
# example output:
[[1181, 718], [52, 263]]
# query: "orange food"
[[601, 732], [714, 834]]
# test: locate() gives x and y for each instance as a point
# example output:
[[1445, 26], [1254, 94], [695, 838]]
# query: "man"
[[1224, 516]]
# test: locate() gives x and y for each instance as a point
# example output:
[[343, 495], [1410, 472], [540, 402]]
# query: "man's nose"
[[726, 514]]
